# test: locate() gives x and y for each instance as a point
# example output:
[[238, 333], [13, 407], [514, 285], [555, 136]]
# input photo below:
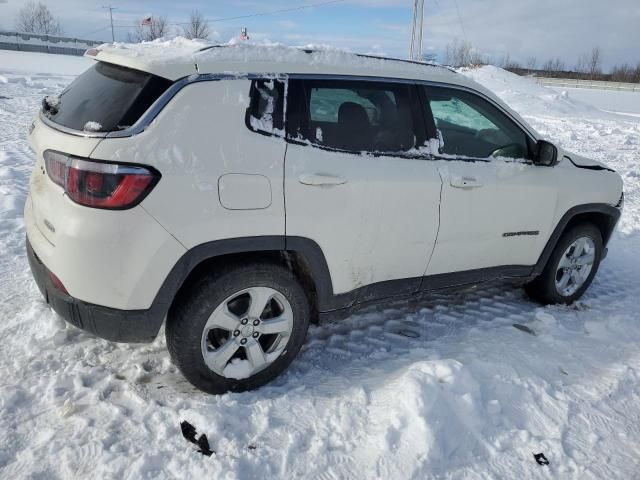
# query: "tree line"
[[195, 28], [588, 67]]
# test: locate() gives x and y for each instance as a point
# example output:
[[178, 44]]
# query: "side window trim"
[[433, 132], [429, 121], [420, 129]]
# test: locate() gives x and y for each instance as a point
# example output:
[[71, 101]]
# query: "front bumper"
[[134, 326]]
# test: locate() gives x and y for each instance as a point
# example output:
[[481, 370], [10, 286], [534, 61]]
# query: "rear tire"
[[222, 316], [571, 267]]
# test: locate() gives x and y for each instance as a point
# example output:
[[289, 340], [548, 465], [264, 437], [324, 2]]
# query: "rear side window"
[[353, 116], [266, 108], [105, 98]]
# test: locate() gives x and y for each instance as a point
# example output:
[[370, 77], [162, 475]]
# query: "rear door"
[[497, 206], [355, 184]]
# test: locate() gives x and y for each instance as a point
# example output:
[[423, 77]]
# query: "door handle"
[[319, 179], [465, 181]]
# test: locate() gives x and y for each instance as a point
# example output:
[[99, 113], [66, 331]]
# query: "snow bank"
[[612, 101], [526, 96], [44, 63]]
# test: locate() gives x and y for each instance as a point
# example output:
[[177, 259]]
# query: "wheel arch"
[[302, 256], [603, 216]]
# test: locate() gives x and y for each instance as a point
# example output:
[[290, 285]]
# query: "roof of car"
[[180, 57]]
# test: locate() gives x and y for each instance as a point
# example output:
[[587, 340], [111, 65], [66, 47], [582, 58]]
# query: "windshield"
[[105, 98]]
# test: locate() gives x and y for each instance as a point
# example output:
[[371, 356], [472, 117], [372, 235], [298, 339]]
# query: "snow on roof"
[[180, 57], [171, 59]]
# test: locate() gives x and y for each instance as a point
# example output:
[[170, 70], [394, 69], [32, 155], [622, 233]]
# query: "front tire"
[[571, 267], [238, 329]]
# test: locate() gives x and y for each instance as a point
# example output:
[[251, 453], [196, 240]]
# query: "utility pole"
[[420, 43], [413, 29], [417, 30], [111, 9]]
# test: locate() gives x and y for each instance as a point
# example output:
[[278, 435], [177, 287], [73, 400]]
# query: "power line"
[[271, 12], [238, 17], [460, 20], [95, 31]]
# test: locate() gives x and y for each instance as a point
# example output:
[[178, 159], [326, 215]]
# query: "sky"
[[522, 29]]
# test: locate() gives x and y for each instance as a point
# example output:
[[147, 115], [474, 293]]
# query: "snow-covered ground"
[[445, 388], [609, 100], [41, 64]]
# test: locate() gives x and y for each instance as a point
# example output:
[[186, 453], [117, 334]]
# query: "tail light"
[[100, 184]]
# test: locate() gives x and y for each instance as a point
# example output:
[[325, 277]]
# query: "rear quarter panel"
[[199, 137], [116, 259]]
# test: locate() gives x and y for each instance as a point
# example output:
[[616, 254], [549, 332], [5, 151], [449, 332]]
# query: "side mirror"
[[546, 154]]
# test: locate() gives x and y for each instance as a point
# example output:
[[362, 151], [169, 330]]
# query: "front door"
[[355, 184], [497, 206]]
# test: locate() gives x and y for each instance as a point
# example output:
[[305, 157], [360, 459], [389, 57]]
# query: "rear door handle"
[[465, 181], [319, 179]]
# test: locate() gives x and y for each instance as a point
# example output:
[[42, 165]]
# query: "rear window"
[[105, 98]]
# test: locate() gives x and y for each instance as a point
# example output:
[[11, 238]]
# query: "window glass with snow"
[[470, 126], [265, 113], [105, 98], [353, 116]]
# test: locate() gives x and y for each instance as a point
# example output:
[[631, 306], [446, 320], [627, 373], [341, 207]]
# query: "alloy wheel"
[[575, 266], [247, 332]]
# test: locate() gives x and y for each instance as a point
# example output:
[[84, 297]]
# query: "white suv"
[[241, 192]]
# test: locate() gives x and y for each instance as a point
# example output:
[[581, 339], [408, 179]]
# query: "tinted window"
[[354, 116], [471, 127], [265, 113], [105, 98]]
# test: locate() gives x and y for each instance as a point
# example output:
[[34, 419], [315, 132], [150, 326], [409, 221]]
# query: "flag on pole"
[[146, 21], [244, 35]]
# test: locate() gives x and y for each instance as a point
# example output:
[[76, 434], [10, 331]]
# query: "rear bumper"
[[109, 323]]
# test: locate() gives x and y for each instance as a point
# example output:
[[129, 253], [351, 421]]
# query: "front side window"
[[353, 116], [470, 126]]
